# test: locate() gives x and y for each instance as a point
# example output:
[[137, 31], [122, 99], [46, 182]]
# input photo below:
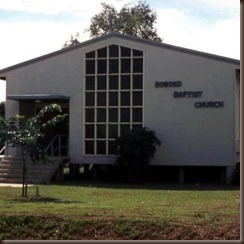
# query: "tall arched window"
[[113, 96]]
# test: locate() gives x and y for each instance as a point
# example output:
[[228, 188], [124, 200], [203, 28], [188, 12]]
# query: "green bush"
[[135, 150]]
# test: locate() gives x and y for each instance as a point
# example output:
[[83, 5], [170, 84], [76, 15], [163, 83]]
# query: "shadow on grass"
[[150, 185], [43, 200]]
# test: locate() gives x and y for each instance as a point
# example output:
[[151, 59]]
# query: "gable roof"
[[125, 37]]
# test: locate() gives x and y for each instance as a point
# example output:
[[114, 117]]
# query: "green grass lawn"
[[115, 211]]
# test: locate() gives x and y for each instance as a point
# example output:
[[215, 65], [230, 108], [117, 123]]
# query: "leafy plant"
[[26, 134], [135, 150]]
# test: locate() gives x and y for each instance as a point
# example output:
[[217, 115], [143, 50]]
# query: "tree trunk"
[[24, 179]]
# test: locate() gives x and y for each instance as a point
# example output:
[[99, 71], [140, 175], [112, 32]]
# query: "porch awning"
[[39, 98]]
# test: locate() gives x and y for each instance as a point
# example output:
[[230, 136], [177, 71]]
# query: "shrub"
[[135, 150]]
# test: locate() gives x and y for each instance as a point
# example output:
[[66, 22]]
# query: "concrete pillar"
[[223, 175], [95, 171], [86, 171], [229, 172], [181, 175]]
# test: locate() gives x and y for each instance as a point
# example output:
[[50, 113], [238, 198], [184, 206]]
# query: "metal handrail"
[[2, 149], [56, 147]]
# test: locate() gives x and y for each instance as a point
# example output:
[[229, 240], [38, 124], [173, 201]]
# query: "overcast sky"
[[31, 28]]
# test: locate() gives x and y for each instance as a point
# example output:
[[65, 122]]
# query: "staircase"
[[11, 170]]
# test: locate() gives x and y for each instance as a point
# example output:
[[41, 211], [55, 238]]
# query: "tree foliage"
[[26, 133], [138, 20], [135, 150]]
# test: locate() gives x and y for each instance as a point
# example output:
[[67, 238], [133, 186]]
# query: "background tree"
[[26, 134], [135, 150], [138, 20]]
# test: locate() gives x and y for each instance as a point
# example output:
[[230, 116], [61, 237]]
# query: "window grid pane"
[[113, 97]]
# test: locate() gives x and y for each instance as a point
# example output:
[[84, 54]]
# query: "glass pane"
[[90, 66], [101, 82], [112, 147], [137, 65], [137, 53], [113, 98], [113, 66], [113, 115], [124, 129], [101, 99], [90, 54], [125, 99], [125, 65], [89, 147], [102, 66], [113, 82], [90, 83], [113, 51], [101, 131], [101, 147], [125, 82], [137, 114], [101, 115], [102, 52], [137, 98], [125, 115], [89, 131], [125, 51], [90, 99], [137, 81], [113, 131], [90, 115]]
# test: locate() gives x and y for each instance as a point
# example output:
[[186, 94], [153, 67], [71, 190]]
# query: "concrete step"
[[11, 169]]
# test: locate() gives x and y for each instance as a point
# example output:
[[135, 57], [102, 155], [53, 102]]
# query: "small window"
[[113, 51], [137, 98], [101, 82], [101, 147], [137, 114], [125, 65], [113, 98], [89, 147], [102, 52], [101, 115], [125, 82], [89, 131], [90, 67], [113, 131], [90, 99], [113, 82], [137, 65], [90, 54], [137, 82], [90, 115], [113, 115], [101, 99], [101, 131], [125, 52], [102, 66], [90, 83], [137, 53], [125, 99], [124, 115], [113, 66]]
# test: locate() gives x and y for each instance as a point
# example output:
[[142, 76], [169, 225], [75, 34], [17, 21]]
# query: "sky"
[[32, 28]]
